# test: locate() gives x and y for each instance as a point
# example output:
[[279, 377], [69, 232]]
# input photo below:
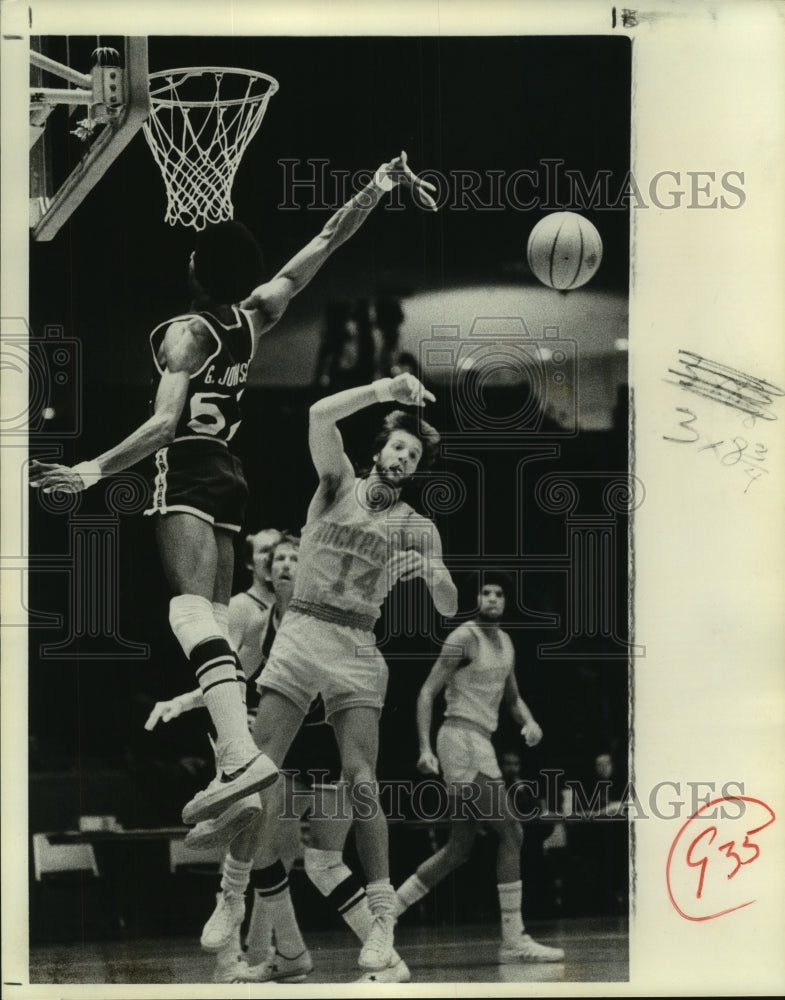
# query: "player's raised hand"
[[531, 733], [406, 389], [51, 477], [164, 711], [428, 763], [399, 171]]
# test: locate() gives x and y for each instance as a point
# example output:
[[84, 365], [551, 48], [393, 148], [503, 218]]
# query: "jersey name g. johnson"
[[212, 406]]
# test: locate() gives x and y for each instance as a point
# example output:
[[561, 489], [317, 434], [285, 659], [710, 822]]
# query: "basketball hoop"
[[202, 119]]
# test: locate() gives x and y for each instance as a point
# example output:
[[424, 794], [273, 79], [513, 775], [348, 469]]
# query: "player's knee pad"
[[325, 869], [192, 620]]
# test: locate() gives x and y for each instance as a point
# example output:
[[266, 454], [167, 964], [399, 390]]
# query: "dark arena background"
[[531, 399]]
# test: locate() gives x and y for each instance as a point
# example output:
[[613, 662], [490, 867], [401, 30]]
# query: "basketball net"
[[201, 121]]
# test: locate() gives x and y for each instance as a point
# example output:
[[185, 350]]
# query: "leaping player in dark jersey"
[[199, 492]]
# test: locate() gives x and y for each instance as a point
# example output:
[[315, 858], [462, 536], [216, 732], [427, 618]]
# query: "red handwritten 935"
[[711, 852]]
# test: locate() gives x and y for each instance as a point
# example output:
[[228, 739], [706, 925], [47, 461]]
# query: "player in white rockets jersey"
[[476, 669], [359, 538]]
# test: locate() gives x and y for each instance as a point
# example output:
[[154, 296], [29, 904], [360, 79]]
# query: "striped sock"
[[221, 615], [273, 894], [350, 900], [215, 664]]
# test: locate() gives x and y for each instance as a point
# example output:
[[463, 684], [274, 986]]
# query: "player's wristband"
[[382, 389], [89, 472], [191, 700], [383, 180]]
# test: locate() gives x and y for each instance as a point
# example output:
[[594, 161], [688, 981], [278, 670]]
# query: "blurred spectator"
[[345, 357], [587, 853], [360, 344], [389, 317]]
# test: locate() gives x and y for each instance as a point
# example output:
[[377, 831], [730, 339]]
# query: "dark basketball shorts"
[[200, 477]]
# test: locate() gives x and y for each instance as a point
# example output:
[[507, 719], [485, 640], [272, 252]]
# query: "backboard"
[[81, 118]]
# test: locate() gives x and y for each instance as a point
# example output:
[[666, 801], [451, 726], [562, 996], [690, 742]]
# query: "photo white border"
[[708, 94]]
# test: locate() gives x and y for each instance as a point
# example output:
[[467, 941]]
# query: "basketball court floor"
[[596, 952]]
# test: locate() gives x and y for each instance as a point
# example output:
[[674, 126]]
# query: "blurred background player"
[[476, 668], [199, 491], [359, 538], [256, 550]]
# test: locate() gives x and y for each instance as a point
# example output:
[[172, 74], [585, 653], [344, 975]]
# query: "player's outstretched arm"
[[324, 438], [165, 711], [183, 355], [455, 651], [271, 298], [519, 710]]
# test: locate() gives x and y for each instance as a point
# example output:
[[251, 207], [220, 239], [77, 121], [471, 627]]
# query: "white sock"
[[510, 905], [236, 875], [411, 892], [381, 898]]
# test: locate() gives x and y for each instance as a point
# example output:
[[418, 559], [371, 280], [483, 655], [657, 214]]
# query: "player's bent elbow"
[[321, 416], [450, 609], [446, 600]]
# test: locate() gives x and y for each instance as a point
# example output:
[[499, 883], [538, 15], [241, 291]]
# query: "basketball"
[[564, 250]]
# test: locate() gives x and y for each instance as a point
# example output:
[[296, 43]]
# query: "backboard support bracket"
[[123, 115]]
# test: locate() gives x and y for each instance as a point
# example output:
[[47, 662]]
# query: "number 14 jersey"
[[343, 571], [212, 407]]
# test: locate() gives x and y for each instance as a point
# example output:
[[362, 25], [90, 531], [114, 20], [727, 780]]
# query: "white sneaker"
[[396, 972], [223, 829], [228, 958], [526, 949], [377, 951], [226, 971], [277, 969], [227, 916], [225, 789]]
